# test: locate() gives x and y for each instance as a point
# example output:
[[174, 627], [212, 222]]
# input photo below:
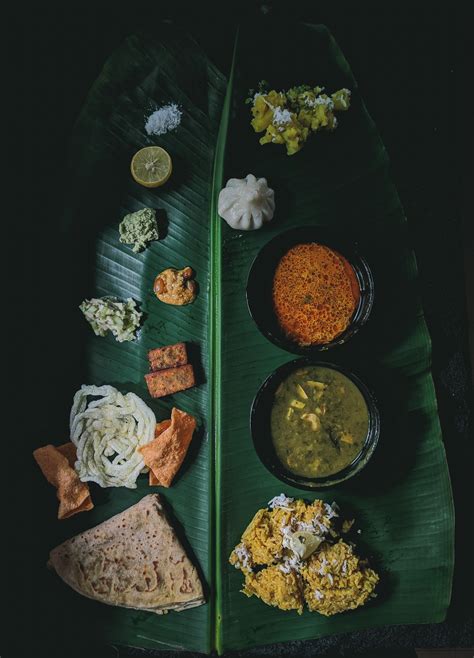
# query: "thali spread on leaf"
[[304, 294]]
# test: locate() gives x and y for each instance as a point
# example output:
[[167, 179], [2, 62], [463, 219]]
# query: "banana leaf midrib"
[[215, 339]]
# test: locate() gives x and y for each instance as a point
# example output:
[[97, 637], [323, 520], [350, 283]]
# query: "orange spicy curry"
[[315, 294]]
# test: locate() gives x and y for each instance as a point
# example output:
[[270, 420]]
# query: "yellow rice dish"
[[291, 555]]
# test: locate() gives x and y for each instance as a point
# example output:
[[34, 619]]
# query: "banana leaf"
[[145, 72], [402, 501]]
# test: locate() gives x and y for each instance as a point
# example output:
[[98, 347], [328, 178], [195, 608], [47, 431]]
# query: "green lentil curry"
[[319, 421]]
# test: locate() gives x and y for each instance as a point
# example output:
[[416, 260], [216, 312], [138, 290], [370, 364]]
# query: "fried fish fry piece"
[[170, 356], [169, 381]]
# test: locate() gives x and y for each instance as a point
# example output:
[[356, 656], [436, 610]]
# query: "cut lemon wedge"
[[151, 166]]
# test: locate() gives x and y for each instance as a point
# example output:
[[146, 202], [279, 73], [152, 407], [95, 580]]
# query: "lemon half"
[[151, 166]]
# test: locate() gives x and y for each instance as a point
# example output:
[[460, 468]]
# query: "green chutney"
[[319, 421]]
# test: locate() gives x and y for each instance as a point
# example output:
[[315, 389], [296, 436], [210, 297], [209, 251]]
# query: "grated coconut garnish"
[[163, 120], [280, 501]]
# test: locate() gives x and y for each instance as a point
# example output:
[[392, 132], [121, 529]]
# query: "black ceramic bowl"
[[262, 437], [260, 284]]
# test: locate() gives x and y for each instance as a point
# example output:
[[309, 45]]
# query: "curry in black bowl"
[[314, 424], [308, 290]]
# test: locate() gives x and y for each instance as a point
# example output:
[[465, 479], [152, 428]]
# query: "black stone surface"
[[411, 62]]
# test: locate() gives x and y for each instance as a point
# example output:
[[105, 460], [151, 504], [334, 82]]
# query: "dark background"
[[412, 65]]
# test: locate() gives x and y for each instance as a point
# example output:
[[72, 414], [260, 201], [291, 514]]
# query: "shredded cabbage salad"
[[109, 314]]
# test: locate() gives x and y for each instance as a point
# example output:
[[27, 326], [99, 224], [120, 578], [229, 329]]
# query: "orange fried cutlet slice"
[[170, 356], [169, 381]]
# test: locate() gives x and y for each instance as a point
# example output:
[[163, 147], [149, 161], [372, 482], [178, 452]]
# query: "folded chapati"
[[132, 560]]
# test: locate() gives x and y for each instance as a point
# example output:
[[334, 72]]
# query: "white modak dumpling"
[[246, 204]]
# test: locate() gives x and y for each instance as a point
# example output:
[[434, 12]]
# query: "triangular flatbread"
[[132, 560]]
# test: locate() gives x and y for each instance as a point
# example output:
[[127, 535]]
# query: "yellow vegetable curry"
[[319, 421]]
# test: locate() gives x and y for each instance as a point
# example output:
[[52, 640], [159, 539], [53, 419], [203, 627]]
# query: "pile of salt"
[[163, 120]]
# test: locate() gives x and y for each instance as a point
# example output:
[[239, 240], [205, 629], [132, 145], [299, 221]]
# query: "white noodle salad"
[[107, 427]]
